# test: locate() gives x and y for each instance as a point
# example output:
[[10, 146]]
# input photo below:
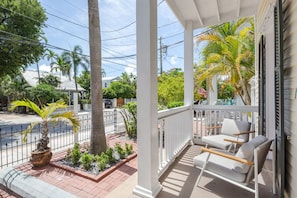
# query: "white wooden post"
[[75, 109], [188, 75], [147, 99]]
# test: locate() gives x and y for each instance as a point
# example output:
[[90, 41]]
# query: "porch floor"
[[179, 181]]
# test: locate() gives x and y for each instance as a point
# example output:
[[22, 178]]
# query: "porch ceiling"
[[210, 12]]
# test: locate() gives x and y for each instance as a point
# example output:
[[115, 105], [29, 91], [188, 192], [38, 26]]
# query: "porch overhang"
[[205, 13]]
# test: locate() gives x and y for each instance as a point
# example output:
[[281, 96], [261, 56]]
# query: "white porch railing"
[[175, 133], [211, 115]]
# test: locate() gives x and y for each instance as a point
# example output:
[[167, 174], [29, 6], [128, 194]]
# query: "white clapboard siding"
[[290, 93]]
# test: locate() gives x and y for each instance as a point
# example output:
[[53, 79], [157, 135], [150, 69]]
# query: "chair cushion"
[[246, 151], [230, 126], [218, 140], [219, 165]]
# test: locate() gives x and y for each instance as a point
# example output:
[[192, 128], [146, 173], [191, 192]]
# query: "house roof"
[[205, 13], [110, 78], [68, 85]]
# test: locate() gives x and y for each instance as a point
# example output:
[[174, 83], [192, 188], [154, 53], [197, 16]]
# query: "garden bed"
[[83, 173]]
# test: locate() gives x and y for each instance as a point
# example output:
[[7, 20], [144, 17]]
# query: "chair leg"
[[202, 170], [256, 173]]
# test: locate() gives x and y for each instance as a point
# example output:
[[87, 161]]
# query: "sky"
[[67, 26]]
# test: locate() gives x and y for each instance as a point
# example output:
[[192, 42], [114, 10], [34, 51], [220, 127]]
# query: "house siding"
[[290, 94], [263, 23]]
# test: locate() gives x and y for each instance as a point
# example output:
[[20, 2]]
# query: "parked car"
[[107, 103]]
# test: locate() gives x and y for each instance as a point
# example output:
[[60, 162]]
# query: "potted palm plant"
[[42, 154]]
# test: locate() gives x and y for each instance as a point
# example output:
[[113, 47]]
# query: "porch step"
[[28, 186]]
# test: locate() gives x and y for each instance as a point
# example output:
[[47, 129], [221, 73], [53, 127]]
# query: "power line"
[[34, 42], [116, 30], [73, 5], [74, 23], [30, 18]]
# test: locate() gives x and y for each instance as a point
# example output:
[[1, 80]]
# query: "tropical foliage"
[[16, 53], [129, 113], [171, 87], [228, 52], [75, 59], [48, 115], [125, 87], [45, 93]]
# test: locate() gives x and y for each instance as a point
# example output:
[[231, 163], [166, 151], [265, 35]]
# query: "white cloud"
[[173, 60], [130, 69], [44, 68]]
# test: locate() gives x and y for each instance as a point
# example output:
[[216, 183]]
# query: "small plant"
[[120, 150], [76, 154], [68, 154], [101, 163], [111, 156], [87, 160], [129, 113], [129, 148], [105, 157]]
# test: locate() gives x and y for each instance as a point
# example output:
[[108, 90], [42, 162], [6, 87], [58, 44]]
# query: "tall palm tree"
[[229, 52], [98, 139], [75, 59], [63, 66], [50, 56]]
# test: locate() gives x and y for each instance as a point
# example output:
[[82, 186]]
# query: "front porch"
[[180, 178]]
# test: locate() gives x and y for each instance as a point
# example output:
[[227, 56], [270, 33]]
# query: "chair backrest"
[[262, 152], [230, 126]]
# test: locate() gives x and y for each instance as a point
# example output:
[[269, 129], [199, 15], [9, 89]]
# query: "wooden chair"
[[239, 169]]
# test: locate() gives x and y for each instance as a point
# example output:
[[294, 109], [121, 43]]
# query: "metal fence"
[[14, 150]]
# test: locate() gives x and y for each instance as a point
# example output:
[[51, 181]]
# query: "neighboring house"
[[107, 80], [276, 81], [67, 85]]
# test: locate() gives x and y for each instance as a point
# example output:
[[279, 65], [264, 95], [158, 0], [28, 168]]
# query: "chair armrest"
[[233, 141], [214, 127], [243, 133], [232, 157]]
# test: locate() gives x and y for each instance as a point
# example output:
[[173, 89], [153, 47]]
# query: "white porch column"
[[147, 99], [188, 61], [188, 74]]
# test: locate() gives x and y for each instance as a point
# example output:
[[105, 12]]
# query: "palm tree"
[[75, 59], [63, 66], [47, 115], [50, 56], [98, 139], [229, 52]]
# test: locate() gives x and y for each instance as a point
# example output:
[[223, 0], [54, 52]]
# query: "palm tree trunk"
[[98, 139], [37, 65]]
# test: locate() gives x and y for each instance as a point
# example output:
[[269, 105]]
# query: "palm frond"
[[68, 116], [28, 130], [52, 107], [25, 103]]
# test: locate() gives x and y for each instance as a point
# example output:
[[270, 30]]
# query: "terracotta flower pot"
[[40, 158]]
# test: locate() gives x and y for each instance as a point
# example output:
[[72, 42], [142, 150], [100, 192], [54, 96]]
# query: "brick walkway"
[[79, 186]]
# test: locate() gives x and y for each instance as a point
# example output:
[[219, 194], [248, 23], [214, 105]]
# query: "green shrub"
[[110, 154], [68, 154], [106, 157], [129, 113], [87, 160], [76, 154], [120, 151], [174, 104], [129, 148], [101, 163]]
